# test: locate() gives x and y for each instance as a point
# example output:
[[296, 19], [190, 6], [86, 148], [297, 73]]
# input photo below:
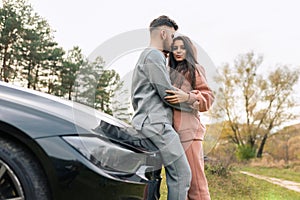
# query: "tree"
[[26, 44], [121, 104], [87, 80], [95, 86], [108, 83], [69, 71], [11, 26], [51, 72], [29, 55], [35, 49], [254, 105]]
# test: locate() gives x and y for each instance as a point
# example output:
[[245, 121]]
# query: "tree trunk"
[[29, 76], [70, 92], [36, 78], [251, 141], [261, 147], [4, 66], [286, 158]]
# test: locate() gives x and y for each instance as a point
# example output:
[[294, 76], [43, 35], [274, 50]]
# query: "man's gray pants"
[[178, 173]]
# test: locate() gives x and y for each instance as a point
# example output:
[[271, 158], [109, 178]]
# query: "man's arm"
[[158, 75], [201, 98]]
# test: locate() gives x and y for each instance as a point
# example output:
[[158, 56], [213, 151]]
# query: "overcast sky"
[[224, 29]]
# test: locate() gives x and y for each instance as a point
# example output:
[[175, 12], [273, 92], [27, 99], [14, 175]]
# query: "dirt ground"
[[283, 183]]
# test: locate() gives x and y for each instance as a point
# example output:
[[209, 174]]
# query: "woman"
[[187, 75]]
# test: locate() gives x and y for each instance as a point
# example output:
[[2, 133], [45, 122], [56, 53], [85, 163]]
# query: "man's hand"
[[177, 96]]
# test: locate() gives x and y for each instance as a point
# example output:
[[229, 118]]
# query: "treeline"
[[30, 57], [284, 145]]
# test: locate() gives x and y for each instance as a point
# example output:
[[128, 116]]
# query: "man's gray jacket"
[[149, 82]]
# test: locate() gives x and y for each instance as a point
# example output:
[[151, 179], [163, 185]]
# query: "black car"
[[52, 148]]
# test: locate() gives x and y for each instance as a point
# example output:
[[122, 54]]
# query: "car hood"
[[27, 109]]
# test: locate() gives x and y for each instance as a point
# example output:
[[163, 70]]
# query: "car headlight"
[[107, 155]]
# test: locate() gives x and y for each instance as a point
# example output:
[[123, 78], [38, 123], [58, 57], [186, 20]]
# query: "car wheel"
[[21, 176]]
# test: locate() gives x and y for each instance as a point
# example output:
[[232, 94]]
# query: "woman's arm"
[[201, 98]]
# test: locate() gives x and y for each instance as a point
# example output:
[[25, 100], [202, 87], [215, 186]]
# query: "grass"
[[238, 186], [163, 187]]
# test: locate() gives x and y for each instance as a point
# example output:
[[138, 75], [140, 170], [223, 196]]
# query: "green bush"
[[245, 152]]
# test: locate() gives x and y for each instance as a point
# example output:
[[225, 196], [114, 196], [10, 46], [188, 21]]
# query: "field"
[[236, 186]]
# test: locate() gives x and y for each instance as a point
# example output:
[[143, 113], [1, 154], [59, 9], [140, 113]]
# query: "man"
[[153, 115]]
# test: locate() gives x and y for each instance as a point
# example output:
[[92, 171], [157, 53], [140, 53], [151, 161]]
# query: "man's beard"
[[166, 47]]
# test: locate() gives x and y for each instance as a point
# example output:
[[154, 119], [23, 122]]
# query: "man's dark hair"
[[163, 21]]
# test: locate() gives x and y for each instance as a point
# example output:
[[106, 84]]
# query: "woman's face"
[[179, 50]]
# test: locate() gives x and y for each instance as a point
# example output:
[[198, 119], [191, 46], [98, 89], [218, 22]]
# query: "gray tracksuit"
[[153, 116]]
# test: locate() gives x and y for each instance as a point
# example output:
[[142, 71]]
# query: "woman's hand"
[[177, 96]]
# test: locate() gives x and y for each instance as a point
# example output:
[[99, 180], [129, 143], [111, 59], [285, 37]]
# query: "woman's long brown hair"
[[186, 66]]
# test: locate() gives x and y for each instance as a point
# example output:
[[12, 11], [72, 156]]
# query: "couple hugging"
[[169, 88]]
